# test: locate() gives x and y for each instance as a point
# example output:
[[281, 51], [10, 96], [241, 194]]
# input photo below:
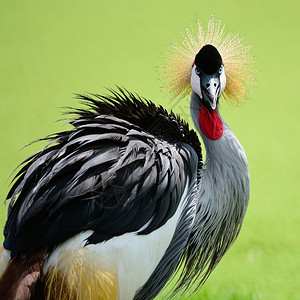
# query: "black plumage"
[[112, 173]]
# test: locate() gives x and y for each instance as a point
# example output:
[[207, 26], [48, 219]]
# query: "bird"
[[123, 202]]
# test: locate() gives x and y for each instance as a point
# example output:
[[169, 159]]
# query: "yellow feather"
[[237, 59], [78, 278]]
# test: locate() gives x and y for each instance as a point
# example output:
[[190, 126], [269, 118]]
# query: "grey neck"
[[227, 148], [222, 198], [226, 168]]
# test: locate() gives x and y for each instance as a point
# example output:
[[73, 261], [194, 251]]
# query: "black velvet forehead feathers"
[[208, 59]]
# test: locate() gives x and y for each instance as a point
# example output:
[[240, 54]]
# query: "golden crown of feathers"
[[238, 62]]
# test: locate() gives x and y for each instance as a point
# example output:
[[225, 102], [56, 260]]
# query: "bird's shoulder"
[[153, 119]]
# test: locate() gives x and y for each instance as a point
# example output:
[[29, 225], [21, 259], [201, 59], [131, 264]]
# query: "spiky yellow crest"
[[238, 62]]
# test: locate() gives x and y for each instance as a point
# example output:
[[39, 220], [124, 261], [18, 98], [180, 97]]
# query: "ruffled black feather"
[[90, 173]]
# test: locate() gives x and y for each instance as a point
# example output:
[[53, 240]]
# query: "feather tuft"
[[76, 276], [237, 59]]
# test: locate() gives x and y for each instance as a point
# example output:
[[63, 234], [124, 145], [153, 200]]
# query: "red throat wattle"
[[210, 123]]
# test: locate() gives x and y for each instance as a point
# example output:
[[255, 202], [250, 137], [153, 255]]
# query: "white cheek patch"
[[222, 81], [195, 83]]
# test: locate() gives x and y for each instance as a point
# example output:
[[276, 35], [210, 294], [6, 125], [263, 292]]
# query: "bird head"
[[186, 68], [208, 78]]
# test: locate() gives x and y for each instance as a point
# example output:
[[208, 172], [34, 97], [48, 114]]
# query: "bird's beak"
[[210, 88]]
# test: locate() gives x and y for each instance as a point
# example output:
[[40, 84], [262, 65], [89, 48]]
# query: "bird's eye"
[[197, 71], [221, 69]]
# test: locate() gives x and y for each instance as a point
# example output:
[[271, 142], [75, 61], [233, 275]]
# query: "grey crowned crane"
[[121, 203]]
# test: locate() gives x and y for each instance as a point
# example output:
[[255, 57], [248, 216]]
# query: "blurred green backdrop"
[[50, 50]]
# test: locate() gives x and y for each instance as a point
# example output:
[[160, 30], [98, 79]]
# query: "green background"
[[50, 50]]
